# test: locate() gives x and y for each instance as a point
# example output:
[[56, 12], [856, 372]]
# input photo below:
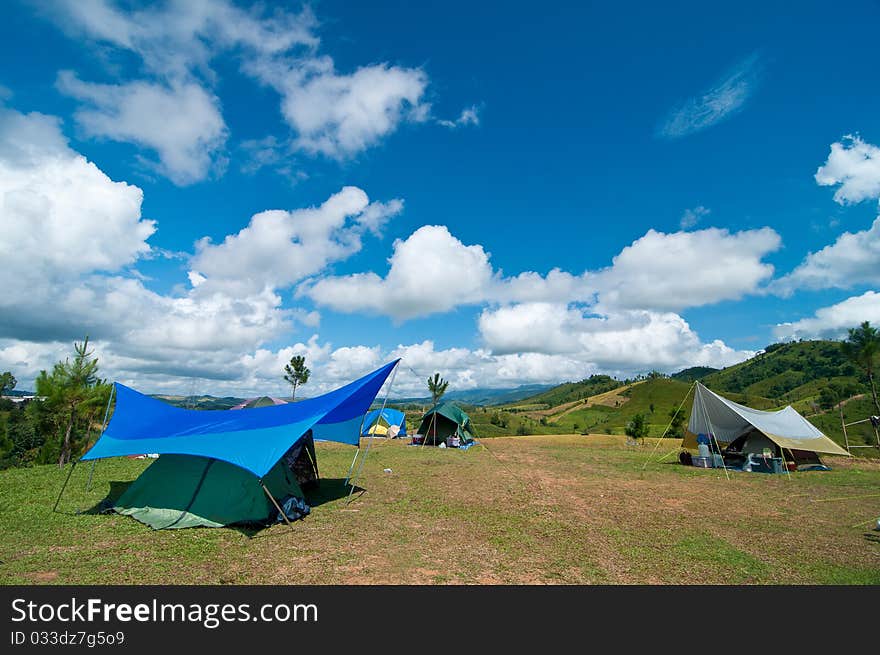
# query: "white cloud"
[[175, 38], [556, 286], [469, 116], [431, 272], [855, 166], [693, 216], [340, 115], [67, 233], [60, 214], [833, 322], [335, 114], [180, 122], [279, 248], [723, 99], [628, 340], [854, 258], [669, 272]]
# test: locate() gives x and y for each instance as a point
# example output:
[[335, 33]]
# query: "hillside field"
[[556, 509]]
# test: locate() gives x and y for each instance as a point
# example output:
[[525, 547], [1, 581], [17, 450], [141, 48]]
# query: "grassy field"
[[544, 509]]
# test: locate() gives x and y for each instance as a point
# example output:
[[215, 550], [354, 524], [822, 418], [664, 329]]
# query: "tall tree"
[[437, 386], [72, 393], [862, 348], [7, 382], [296, 373]]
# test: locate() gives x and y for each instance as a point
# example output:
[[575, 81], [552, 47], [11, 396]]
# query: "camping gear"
[[223, 467], [386, 422], [740, 432], [443, 421]]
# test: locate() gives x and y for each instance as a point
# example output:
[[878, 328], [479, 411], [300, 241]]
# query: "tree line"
[[63, 420]]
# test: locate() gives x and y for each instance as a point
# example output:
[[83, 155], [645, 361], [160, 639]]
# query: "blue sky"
[[502, 193]]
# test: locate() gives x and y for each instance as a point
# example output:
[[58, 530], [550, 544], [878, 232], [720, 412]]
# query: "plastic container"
[[703, 449], [702, 462]]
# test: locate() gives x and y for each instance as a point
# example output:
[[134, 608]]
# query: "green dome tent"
[[446, 420], [215, 464]]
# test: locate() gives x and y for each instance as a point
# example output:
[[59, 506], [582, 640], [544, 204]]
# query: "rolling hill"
[[812, 376]]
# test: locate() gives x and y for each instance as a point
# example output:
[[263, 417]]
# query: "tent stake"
[[372, 432], [64, 486], [277, 506]]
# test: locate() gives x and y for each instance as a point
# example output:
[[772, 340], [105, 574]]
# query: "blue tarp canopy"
[[254, 439], [389, 417]]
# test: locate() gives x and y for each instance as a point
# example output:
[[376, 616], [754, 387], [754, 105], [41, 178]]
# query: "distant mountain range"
[[482, 396], [486, 396]]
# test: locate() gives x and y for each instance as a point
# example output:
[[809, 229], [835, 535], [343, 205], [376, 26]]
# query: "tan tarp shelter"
[[727, 421]]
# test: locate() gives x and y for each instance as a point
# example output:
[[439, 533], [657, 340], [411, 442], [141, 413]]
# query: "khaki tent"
[[727, 423]]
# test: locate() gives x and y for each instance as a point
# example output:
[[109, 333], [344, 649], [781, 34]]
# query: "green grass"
[[546, 510]]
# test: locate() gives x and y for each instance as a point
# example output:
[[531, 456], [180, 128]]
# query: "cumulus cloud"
[[61, 215], [334, 114], [180, 122], [722, 100], [670, 272], [853, 259], [279, 248], [69, 231], [664, 272], [431, 272], [855, 166], [340, 115], [833, 322], [172, 113], [629, 340]]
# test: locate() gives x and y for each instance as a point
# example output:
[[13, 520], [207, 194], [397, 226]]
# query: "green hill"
[[782, 370], [572, 391], [694, 373], [812, 376]]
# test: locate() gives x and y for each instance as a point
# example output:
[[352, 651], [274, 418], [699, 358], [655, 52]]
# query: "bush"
[[637, 428]]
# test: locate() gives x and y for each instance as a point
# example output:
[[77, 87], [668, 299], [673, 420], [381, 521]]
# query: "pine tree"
[[296, 373]]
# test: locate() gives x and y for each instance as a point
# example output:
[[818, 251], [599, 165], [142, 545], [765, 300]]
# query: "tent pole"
[[843, 425], [782, 452], [657, 445], [714, 438], [91, 475], [103, 427], [64, 486], [351, 468], [277, 506], [373, 431], [434, 424]]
